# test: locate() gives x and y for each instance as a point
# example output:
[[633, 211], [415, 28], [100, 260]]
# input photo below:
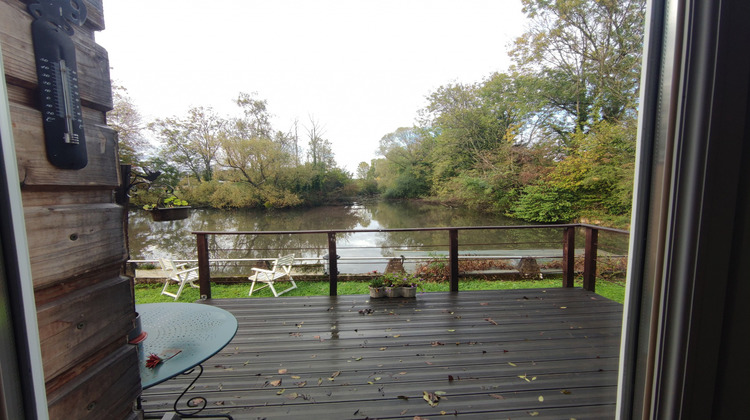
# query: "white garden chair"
[[177, 273], [282, 267]]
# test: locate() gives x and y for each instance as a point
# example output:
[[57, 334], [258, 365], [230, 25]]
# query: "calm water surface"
[[150, 240]]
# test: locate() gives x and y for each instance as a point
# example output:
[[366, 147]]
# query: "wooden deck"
[[541, 353]]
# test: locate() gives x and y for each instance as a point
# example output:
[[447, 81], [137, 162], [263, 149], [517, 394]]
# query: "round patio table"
[[183, 335]]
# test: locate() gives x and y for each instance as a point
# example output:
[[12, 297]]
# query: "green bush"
[[539, 203]]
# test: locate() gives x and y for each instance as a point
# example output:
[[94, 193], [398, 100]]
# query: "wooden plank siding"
[[75, 230], [493, 353]]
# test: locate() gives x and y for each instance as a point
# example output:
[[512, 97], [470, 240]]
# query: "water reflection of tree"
[[151, 240], [394, 215]]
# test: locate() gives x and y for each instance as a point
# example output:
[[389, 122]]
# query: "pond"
[[359, 252]]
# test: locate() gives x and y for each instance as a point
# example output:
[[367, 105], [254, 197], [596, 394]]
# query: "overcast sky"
[[361, 68]]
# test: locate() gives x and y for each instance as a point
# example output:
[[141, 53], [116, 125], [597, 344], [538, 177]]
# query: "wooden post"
[[569, 256], [333, 268], [453, 258], [204, 271], [589, 265]]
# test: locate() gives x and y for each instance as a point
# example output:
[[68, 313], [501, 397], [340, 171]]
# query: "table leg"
[[195, 404]]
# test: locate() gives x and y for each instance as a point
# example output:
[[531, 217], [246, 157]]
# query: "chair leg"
[[294, 286], [164, 290], [252, 286], [179, 291], [273, 289]]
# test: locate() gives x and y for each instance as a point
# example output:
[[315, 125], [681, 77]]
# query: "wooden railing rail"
[[568, 249]]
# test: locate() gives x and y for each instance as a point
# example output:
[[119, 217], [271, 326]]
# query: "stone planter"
[[408, 292], [377, 292]]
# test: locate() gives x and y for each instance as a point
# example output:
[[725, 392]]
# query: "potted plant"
[[377, 288], [169, 208], [401, 285]]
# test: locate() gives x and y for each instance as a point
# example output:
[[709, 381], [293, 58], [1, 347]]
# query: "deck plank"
[[544, 353]]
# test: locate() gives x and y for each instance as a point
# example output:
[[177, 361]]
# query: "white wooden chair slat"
[[177, 273], [282, 267]]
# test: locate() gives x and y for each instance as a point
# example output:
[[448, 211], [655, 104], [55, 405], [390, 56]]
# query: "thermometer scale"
[[57, 75]]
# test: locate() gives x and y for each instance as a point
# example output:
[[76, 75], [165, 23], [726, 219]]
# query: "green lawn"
[[150, 293]]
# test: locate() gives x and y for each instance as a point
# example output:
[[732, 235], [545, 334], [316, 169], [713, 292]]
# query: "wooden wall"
[[77, 244]]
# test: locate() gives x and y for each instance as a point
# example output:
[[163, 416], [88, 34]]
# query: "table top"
[[192, 332]]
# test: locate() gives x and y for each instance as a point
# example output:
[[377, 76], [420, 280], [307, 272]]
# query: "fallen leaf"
[[301, 384], [292, 396], [440, 393], [442, 412], [565, 391], [484, 303], [296, 377], [276, 382], [431, 398], [358, 358], [491, 321], [451, 330], [282, 371], [403, 397], [383, 348], [541, 398], [335, 374], [563, 307], [533, 413], [512, 364], [450, 378], [320, 381], [402, 373], [498, 396], [281, 391], [397, 336], [524, 377]]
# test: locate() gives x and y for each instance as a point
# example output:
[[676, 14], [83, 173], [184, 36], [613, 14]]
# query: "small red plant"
[[153, 359]]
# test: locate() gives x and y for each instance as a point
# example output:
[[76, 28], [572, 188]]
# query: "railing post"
[[333, 269], [204, 271], [453, 258], [589, 264], [569, 256]]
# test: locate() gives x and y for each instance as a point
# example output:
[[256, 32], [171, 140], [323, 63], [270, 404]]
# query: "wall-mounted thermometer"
[[57, 74]]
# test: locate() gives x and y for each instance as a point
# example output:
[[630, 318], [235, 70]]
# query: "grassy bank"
[[150, 293]]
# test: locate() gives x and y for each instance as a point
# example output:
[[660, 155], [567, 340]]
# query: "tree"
[[363, 169], [258, 160], [126, 120], [405, 171], [193, 141], [586, 57], [257, 121], [319, 152]]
